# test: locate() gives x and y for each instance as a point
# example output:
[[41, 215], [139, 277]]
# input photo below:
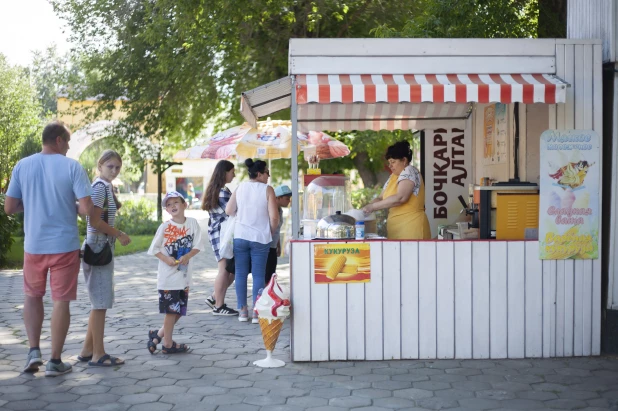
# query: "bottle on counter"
[[360, 230]]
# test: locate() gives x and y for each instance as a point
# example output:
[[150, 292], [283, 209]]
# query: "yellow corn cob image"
[[335, 267], [349, 269], [345, 276]]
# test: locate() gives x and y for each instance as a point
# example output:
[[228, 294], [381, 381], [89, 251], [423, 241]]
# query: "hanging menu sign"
[[447, 174], [569, 203]]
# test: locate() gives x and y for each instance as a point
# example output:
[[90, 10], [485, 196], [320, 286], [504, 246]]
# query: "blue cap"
[[283, 191]]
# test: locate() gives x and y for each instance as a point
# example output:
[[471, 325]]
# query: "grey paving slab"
[[218, 375], [413, 393], [436, 403], [152, 406], [350, 402]]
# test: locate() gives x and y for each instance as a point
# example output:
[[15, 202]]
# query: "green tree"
[[132, 162], [552, 19], [49, 72], [468, 19], [19, 110], [180, 64]]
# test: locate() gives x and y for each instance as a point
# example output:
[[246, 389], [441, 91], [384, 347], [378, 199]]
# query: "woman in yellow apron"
[[404, 196]]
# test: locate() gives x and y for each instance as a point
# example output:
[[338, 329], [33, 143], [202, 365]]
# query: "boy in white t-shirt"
[[176, 242]]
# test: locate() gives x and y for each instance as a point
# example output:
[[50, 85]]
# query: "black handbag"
[[104, 256]]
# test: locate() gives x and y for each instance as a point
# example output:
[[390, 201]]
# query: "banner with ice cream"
[[569, 191], [342, 263]]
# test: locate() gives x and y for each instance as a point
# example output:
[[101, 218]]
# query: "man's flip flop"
[[113, 361], [86, 358]]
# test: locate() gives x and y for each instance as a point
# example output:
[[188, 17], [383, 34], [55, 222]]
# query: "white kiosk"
[[443, 299]]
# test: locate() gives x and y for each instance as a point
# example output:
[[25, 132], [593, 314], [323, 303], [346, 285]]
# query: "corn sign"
[[342, 263]]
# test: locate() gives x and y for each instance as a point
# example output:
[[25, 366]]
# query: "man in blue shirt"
[[45, 186]]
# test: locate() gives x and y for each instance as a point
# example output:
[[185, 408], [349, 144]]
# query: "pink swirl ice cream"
[[274, 303]]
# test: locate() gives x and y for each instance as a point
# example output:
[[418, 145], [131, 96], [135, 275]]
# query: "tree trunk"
[[552, 19], [369, 177]]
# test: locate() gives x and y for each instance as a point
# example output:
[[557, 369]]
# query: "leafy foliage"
[[135, 217], [50, 72], [7, 226], [132, 163], [19, 119], [181, 65], [468, 19]]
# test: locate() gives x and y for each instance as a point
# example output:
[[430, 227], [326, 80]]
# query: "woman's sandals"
[[174, 349]]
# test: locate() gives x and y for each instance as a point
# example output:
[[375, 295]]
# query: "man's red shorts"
[[63, 271]]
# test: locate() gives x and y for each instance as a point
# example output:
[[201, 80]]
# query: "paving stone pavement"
[[218, 374]]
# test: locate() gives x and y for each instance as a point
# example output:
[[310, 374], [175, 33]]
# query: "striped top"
[[99, 187]]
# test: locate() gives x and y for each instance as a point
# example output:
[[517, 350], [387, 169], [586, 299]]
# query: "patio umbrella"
[[271, 140]]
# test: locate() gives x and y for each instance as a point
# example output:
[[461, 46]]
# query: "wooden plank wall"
[[574, 321], [425, 56], [446, 299]]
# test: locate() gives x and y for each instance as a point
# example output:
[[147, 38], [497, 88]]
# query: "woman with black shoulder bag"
[[98, 263]]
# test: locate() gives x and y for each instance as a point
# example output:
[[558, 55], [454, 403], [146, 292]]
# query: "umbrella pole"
[[295, 199]]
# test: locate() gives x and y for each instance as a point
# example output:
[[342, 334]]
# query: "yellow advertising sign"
[[569, 204], [342, 263]]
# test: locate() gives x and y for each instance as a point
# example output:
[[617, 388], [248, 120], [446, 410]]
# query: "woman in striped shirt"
[[215, 199]]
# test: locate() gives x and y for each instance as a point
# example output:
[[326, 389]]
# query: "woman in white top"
[[255, 207]]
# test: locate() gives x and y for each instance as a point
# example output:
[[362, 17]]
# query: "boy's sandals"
[[113, 361], [152, 345], [175, 348]]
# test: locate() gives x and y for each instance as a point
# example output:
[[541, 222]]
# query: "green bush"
[[8, 224], [135, 218], [29, 146], [81, 225]]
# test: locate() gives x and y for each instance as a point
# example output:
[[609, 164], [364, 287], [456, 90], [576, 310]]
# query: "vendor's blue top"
[[48, 185]]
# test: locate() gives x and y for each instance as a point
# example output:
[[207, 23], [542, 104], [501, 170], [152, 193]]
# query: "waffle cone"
[[270, 332]]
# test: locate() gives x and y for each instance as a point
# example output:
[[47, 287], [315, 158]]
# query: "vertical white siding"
[[463, 299], [300, 294], [391, 297], [445, 299], [498, 324], [409, 299], [427, 323], [480, 299], [594, 19], [374, 318], [516, 301]]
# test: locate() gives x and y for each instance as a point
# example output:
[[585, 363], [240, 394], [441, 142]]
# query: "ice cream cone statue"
[[272, 307]]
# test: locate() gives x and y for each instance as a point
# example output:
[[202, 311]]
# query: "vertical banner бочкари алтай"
[[569, 195]]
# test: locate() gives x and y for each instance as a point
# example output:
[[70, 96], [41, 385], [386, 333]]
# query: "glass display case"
[[323, 196]]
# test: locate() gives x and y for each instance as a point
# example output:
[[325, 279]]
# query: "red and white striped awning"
[[430, 88]]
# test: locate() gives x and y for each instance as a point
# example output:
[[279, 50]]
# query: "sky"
[[29, 25]]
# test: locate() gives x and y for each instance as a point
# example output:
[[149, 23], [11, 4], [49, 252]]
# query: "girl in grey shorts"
[[100, 279]]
